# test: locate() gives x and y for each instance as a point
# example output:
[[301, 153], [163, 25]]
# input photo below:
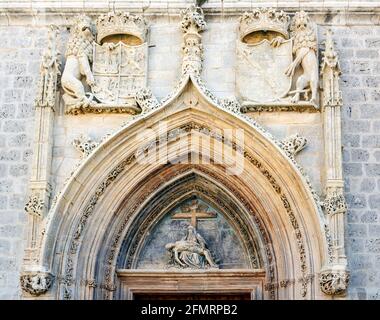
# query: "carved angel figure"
[[79, 54], [305, 51], [191, 251]]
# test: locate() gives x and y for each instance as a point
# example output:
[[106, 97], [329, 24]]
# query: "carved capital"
[[335, 203], [334, 282], [36, 283], [35, 205]]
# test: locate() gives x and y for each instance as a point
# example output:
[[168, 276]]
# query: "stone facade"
[[357, 38]]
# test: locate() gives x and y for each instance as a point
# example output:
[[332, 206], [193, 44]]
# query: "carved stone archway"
[[84, 230]]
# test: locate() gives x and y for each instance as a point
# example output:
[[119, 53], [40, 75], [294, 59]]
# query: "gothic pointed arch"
[[104, 201]]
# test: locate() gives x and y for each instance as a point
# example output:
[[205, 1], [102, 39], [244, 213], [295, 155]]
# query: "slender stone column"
[[39, 188], [334, 276]]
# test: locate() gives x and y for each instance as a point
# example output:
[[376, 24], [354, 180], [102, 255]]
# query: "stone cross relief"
[[194, 212], [191, 251]]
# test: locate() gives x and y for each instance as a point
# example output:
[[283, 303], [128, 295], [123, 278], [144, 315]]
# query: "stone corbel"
[[334, 280], [36, 283], [334, 277]]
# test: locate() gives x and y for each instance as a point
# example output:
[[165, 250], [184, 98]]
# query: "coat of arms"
[[119, 71], [261, 69], [114, 65], [273, 66]]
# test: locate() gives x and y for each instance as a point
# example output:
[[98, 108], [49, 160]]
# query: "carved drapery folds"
[[36, 283], [333, 282], [277, 71], [114, 65]]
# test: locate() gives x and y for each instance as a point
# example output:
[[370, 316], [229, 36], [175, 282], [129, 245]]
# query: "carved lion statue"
[[305, 51], [79, 55]]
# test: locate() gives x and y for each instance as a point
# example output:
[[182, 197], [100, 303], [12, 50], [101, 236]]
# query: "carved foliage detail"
[[146, 100], [334, 282], [36, 283], [35, 205], [293, 144], [85, 145], [335, 203]]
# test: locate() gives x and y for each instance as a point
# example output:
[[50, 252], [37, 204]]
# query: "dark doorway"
[[193, 296]]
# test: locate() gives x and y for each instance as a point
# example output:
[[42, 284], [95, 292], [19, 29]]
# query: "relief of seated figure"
[[191, 251]]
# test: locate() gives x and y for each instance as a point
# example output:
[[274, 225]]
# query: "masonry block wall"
[[358, 46]]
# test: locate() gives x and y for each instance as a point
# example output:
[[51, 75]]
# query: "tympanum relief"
[[193, 236], [277, 65], [106, 64]]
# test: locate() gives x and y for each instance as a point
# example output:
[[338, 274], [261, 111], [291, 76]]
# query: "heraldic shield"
[[119, 71], [261, 71]]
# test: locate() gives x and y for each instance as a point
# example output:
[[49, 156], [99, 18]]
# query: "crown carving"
[[119, 22], [264, 19]]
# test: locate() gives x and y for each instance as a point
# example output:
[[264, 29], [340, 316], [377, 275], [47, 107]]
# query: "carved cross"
[[194, 212]]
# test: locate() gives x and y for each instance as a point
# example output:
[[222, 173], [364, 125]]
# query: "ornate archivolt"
[[300, 244]]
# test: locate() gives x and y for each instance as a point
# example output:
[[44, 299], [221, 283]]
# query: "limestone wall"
[[357, 37]]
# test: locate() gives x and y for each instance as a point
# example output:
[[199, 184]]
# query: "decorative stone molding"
[[35, 205], [84, 145], [36, 283], [334, 282], [293, 145]]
